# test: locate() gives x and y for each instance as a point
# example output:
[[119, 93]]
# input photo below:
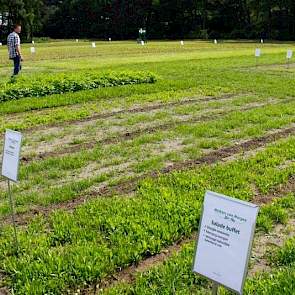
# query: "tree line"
[[162, 19]]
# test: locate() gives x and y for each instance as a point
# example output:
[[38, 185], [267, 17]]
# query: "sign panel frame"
[[14, 176], [249, 248]]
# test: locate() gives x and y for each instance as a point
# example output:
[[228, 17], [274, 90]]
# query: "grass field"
[[112, 178]]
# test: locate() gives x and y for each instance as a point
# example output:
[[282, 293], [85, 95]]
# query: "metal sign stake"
[[13, 215]]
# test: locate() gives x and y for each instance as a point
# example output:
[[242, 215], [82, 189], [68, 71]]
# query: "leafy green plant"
[[62, 83]]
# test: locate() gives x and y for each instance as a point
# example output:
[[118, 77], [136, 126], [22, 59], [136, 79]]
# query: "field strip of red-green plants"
[[121, 144]]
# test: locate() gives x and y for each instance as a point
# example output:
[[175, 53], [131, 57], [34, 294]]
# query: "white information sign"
[[215, 41], [181, 42], [257, 52], [11, 154], [225, 240], [142, 42], [289, 54], [93, 44], [33, 50], [261, 41], [0, 43]]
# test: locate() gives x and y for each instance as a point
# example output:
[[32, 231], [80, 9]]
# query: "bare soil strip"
[[143, 109], [132, 134], [128, 187], [262, 242], [261, 199]]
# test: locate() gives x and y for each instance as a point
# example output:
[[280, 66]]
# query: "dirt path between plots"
[[128, 187], [283, 189], [261, 244], [136, 133], [148, 108]]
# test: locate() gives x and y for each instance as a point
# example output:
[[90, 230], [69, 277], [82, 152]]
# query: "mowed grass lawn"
[[112, 179]]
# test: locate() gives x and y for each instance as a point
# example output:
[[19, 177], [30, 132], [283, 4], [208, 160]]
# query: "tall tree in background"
[[121, 19], [26, 12]]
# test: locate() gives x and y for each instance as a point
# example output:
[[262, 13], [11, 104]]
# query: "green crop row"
[[175, 275], [78, 248], [285, 255], [61, 83], [45, 175]]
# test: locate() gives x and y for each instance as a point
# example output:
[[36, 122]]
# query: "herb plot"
[[62, 83]]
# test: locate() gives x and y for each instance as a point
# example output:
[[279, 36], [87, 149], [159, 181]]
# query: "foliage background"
[[121, 19]]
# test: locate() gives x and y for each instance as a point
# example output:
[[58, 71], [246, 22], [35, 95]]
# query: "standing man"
[[13, 43]]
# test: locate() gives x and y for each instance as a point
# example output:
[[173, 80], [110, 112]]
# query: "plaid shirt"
[[13, 41]]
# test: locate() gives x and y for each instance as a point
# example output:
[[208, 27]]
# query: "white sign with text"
[[289, 54], [257, 52], [225, 240], [11, 154]]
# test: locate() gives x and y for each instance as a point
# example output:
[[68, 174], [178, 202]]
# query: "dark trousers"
[[17, 65]]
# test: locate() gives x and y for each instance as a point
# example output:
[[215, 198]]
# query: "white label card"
[[257, 52], [93, 44], [33, 50], [11, 154], [225, 240], [289, 54]]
